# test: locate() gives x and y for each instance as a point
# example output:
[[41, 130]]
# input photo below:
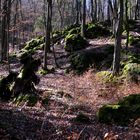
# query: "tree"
[[77, 11], [48, 29], [118, 37], [0, 30], [83, 19], [126, 23], [5, 24], [92, 11]]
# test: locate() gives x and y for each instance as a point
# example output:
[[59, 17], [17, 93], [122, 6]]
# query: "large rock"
[[122, 112]]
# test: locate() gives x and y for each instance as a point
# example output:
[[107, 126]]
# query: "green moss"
[[105, 76], [130, 100], [34, 44], [30, 99], [75, 42], [57, 36], [80, 62], [82, 118], [67, 29], [131, 69], [45, 72], [134, 40], [130, 65], [114, 114], [76, 30], [122, 112], [96, 30]]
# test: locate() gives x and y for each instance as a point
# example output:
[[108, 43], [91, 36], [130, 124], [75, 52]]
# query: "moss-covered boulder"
[[57, 36], [96, 30], [122, 112], [134, 40], [34, 44], [131, 69], [66, 31], [130, 100], [79, 62], [76, 30], [99, 58], [132, 72], [113, 114], [130, 65], [75, 42]]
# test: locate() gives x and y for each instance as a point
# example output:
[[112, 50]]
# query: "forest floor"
[[71, 94]]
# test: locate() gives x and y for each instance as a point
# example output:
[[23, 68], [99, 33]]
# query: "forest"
[[69, 69]]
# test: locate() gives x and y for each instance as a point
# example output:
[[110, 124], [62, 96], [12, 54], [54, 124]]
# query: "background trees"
[[20, 20]]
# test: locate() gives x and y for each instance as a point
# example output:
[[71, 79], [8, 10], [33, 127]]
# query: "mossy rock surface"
[[96, 30], [57, 36], [134, 40], [122, 112], [129, 57], [75, 42], [76, 30], [34, 44], [113, 114], [92, 30], [69, 28], [130, 100], [130, 65], [131, 68], [80, 61]]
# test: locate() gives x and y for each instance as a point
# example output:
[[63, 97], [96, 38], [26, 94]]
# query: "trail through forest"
[[70, 95]]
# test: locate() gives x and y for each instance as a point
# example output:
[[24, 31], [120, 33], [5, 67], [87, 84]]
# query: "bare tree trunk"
[[92, 12], [4, 30], [77, 11], [137, 9], [108, 12], [126, 23], [48, 29], [118, 37], [0, 30], [83, 19], [15, 21]]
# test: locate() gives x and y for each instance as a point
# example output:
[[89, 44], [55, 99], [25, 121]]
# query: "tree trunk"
[[47, 29], [108, 12], [77, 11], [0, 31], [118, 37], [95, 10], [92, 12], [126, 23], [83, 19]]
